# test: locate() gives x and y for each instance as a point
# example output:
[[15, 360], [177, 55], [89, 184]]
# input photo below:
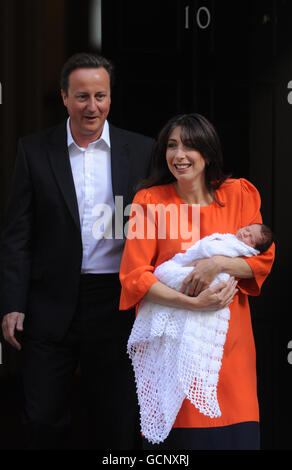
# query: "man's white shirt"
[[91, 169]]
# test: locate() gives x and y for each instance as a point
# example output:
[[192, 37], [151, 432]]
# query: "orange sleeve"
[[140, 252], [261, 264]]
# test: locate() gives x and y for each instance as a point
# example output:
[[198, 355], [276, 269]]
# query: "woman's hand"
[[216, 297], [205, 271]]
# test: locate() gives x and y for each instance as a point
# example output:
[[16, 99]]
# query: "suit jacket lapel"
[[119, 162], [59, 158]]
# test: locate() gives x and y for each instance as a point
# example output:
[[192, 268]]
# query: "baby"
[[249, 240], [259, 236], [176, 353]]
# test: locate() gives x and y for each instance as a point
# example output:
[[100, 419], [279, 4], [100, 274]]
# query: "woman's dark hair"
[[86, 61], [197, 132]]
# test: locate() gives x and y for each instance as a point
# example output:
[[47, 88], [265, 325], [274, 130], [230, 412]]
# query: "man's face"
[[88, 103]]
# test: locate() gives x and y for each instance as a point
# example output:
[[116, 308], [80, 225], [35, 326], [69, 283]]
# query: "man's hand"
[[11, 322]]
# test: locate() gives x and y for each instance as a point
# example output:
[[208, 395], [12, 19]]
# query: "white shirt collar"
[[104, 136]]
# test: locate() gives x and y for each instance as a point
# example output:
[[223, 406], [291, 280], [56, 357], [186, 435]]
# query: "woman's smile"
[[182, 166]]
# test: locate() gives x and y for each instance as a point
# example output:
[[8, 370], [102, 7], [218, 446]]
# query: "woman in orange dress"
[[187, 171]]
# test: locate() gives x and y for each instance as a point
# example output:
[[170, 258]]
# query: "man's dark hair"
[[267, 239], [84, 60]]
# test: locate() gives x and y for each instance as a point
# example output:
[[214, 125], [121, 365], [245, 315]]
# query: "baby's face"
[[251, 234]]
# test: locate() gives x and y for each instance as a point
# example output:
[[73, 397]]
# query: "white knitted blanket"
[[177, 354]]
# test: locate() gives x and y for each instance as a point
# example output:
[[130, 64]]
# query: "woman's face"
[[184, 162]]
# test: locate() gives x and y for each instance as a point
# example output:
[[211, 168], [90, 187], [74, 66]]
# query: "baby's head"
[[259, 236]]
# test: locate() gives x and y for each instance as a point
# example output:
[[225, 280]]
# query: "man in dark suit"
[[61, 249]]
